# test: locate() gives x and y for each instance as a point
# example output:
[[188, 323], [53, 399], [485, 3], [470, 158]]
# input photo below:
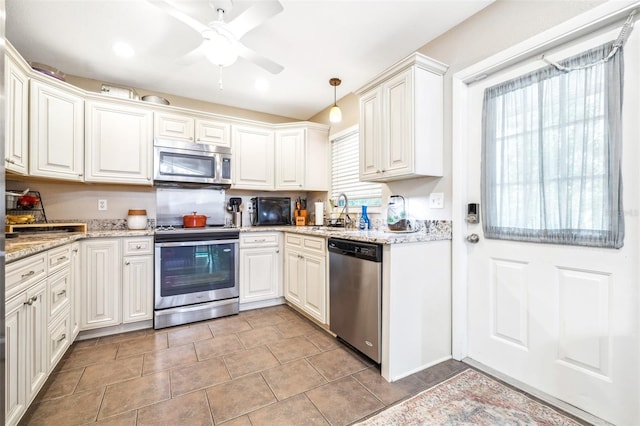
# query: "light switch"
[[436, 200]]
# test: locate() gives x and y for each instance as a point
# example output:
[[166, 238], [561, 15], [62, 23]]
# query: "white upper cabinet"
[[192, 128], [302, 158], [16, 142], [253, 157], [401, 121], [119, 140], [56, 131], [289, 160]]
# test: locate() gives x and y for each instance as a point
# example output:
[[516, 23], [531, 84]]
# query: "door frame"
[[581, 25]]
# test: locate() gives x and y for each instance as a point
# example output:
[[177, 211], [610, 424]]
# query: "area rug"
[[469, 398]]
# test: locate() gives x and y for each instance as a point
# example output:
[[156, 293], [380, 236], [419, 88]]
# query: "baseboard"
[[108, 331], [261, 304]]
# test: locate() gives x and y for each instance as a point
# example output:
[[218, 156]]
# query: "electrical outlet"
[[102, 205], [436, 200]]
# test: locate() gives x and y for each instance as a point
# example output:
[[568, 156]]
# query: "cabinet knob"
[[31, 301], [9, 161], [127, 263], [75, 250], [138, 246]]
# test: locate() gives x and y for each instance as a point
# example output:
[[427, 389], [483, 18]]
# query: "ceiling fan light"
[[222, 48], [335, 114]]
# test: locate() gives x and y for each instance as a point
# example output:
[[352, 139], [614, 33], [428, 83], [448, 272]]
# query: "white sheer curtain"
[[552, 151]]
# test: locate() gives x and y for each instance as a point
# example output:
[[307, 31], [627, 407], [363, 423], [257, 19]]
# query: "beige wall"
[[495, 28]]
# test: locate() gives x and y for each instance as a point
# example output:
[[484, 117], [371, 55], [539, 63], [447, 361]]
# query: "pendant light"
[[335, 114]]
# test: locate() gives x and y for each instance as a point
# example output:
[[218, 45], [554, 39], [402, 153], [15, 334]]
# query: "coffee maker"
[[235, 204]]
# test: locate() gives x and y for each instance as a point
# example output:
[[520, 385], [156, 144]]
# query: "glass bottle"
[[364, 219]]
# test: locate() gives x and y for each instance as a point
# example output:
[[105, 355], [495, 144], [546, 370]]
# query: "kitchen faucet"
[[345, 209]]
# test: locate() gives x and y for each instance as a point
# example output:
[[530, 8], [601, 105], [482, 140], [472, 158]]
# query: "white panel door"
[[101, 276], [561, 319], [137, 288], [315, 287], [290, 159]]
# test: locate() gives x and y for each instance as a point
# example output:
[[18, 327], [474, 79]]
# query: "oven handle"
[[196, 243]]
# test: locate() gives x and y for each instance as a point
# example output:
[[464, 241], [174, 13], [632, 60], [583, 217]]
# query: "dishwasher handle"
[[360, 250]]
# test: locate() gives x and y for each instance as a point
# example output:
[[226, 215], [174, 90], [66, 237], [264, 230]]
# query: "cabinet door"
[[317, 170], [174, 126], [137, 288], [370, 135], [293, 287], [213, 132], [16, 144], [56, 133], [15, 359], [290, 159], [36, 349], [253, 158], [101, 269], [397, 155], [76, 286], [119, 144], [259, 274], [315, 287]]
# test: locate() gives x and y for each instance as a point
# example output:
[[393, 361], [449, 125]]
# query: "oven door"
[[193, 272]]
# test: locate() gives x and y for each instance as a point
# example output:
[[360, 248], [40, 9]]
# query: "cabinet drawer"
[[58, 258], [59, 289], [314, 244], [293, 240], [133, 246], [22, 273], [259, 240], [59, 338]]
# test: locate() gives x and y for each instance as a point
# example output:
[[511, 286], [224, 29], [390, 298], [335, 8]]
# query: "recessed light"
[[262, 85], [123, 49]]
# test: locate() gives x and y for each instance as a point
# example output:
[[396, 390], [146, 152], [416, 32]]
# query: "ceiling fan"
[[221, 40]]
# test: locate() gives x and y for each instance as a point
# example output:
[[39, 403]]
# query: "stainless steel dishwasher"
[[355, 282]]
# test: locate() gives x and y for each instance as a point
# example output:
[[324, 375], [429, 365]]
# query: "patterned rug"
[[469, 398]]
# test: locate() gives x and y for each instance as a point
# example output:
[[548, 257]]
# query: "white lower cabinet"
[[137, 288], [305, 279], [260, 270], [116, 289], [37, 324]]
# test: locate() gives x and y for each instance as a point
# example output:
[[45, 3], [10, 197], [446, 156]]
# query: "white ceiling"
[[314, 40]]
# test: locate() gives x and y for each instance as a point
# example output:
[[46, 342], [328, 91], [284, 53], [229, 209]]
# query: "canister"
[[137, 219]]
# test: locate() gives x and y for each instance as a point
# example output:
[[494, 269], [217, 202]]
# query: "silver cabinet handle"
[[138, 246], [28, 274], [31, 301], [62, 293], [127, 263], [61, 338], [75, 250], [61, 259], [473, 238]]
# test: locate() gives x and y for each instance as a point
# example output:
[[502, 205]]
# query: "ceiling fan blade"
[[261, 61], [197, 54], [253, 17], [179, 15]]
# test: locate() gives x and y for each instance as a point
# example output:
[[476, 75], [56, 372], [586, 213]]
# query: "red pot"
[[194, 220]]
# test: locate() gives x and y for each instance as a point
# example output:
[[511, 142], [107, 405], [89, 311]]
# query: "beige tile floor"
[[263, 367]]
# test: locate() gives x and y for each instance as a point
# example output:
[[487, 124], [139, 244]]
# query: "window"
[[552, 152], [345, 173]]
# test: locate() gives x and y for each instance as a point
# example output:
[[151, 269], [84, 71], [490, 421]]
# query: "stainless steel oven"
[[196, 275]]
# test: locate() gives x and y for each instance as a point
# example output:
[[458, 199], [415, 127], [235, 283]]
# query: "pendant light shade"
[[335, 114]]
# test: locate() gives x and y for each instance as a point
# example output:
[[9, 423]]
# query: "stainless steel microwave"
[[271, 211], [188, 162]]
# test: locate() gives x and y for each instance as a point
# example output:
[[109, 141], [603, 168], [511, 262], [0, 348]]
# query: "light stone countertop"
[[432, 231], [29, 244]]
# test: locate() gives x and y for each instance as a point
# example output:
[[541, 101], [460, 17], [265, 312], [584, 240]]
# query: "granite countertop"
[[432, 230], [27, 244]]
